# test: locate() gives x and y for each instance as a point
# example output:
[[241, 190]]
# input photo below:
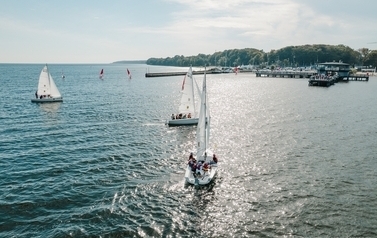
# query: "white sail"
[[47, 90], [54, 90], [46, 84], [203, 129], [187, 100]]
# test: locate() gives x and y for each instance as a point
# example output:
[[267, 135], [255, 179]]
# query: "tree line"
[[290, 56]]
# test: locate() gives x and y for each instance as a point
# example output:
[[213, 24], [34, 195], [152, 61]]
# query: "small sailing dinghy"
[[47, 90], [187, 114], [101, 74], [203, 169], [129, 74]]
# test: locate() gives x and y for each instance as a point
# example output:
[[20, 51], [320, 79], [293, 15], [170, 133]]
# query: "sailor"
[[36, 94], [199, 168], [214, 159], [191, 156], [206, 167], [193, 167]]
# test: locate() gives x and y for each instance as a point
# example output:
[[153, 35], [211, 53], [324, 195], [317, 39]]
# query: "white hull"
[[183, 122], [204, 179], [60, 99]]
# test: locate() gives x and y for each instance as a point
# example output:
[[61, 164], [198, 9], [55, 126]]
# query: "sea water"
[[294, 160]]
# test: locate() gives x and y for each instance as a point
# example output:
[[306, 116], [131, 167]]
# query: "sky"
[[104, 31]]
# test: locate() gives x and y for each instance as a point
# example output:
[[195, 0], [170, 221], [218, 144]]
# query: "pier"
[[284, 74], [196, 72], [334, 72], [328, 81], [214, 70], [163, 74], [356, 77]]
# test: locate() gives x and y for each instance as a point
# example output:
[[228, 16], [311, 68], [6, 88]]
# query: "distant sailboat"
[[187, 114], [63, 76], [47, 90], [101, 74], [129, 74]]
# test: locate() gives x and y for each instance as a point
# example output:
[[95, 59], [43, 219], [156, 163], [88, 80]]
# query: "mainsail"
[[203, 128], [46, 84], [101, 74], [187, 100]]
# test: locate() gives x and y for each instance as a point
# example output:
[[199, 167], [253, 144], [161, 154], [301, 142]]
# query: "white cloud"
[[181, 27]]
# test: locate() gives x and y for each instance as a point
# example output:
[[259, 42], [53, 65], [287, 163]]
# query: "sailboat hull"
[[183, 122], [43, 100], [204, 179]]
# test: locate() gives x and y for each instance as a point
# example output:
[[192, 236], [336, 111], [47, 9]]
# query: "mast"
[[49, 80], [205, 110], [192, 88]]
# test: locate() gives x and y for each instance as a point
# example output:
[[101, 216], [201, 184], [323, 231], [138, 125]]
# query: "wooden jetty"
[[284, 73], [335, 72], [214, 70], [356, 77], [165, 74], [327, 82]]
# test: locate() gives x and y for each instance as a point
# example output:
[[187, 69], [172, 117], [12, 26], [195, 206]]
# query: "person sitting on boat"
[[206, 167], [192, 164], [172, 116], [191, 160], [199, 168], [36, 94], [189, 115], [41, 97], [193, 167], [191, 156], [214, 159]]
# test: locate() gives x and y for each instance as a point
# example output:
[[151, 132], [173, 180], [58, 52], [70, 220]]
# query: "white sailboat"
[[187, 114], [47, 90], [203, 169]]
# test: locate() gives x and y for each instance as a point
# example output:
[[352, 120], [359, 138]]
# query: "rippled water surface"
[[295, 160]]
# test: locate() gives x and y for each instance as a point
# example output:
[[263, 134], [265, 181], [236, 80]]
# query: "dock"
[[195, 72], [328, 81], [163, 74], [356, 77], [284, 74]]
